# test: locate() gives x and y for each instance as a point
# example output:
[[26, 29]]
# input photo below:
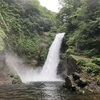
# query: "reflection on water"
[[42, 91]]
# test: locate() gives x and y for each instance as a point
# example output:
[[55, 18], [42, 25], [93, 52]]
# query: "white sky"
[[50, 4]]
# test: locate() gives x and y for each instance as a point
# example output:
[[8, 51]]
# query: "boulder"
[[93, 88], [98, 83], [67, 66], [62, 68], [69, 84], [34, 62], [15, 81], [76, 76], [81, 83]]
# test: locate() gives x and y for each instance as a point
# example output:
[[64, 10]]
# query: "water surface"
[[42, 91]]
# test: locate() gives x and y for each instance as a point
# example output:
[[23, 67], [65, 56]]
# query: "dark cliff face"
[[67, 66], [4, 71], [6, 74], [64, 46]]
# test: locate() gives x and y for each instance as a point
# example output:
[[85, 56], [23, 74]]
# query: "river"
[[42, 91]]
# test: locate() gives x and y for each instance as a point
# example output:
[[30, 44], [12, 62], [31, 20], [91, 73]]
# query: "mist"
[[18, 67]]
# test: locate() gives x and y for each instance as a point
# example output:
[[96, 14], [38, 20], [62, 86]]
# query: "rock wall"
[[6, 76], [75, 78], [67, 66]]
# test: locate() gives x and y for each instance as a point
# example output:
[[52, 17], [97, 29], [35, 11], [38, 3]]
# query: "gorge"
[[34, 65]]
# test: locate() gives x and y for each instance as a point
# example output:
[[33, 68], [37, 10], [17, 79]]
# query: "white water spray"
[[49, 70]]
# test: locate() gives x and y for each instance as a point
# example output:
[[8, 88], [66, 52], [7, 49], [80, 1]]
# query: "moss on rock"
[[2, 36]]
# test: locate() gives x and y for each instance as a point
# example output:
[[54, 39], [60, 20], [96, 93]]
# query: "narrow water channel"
[[42, 91]]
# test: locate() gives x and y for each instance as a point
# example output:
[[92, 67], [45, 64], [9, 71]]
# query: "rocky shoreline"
[[75, 78]]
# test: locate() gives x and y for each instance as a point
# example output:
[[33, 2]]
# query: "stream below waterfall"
[[42, 91]]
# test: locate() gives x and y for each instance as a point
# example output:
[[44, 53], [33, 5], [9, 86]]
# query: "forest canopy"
[[80, 19], [25, 22]]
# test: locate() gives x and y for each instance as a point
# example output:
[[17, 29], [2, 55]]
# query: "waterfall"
[[49, 71]]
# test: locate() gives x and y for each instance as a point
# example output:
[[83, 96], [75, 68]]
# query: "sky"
[[50, 4]]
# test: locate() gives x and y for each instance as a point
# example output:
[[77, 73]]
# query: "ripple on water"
[[42, 91]]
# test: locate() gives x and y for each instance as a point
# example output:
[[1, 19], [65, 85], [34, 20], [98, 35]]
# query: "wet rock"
[[79, 81], [34, 62], [16, 81], [82, 83], [98, 83], [76, 76], [93, 88], [62, 68], [68, 66], [72, 66], [73, 88], [68, 83], [4, 70]]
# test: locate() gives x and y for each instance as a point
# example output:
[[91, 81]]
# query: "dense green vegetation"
[[80, 19], [25, 22], [28, 26], [81, 22]]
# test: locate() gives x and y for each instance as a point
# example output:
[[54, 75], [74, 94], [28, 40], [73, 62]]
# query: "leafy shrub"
[[90, 53], [53, 29], [96, 61], [92, 68], [43, 54], [69, 51], [81, 62], [96, 71]]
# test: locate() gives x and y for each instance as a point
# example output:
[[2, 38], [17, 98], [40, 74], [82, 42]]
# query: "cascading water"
[[49, 70]]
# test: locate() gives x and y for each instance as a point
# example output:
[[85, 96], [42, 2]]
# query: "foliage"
[[54, 29], [80, 20], [69, 51], [81, 62], [89, 67], [96, 61], [92, 68], [4, 24], [25, 22], [91, 52]]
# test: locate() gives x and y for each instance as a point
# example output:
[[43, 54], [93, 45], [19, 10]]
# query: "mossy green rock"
[[2, 36]]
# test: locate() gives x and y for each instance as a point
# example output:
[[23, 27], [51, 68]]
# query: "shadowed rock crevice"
[[67, 67]]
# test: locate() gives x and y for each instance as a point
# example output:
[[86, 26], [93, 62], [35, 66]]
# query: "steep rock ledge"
[[67, 66], [66, 69], [6, 75]]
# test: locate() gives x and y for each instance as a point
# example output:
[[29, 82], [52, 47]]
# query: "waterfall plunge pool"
[[42, 91]]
